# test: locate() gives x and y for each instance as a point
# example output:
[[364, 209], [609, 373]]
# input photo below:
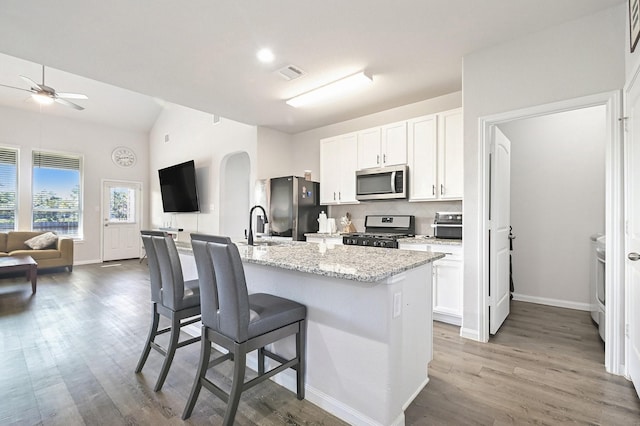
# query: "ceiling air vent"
[[290, 72]]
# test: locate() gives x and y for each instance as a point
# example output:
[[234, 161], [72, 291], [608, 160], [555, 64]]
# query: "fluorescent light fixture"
[[265, 56], [42, 99], [331, 90]]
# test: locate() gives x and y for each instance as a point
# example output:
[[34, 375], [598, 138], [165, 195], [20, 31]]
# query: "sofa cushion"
[[16, 239], [38, 254], [3, 242], [42, 241]]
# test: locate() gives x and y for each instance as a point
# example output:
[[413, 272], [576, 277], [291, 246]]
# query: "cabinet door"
[[450, 153], [447, 288], [329, 170], [394, 144], [348, 154], [422, 144], [369, 148]]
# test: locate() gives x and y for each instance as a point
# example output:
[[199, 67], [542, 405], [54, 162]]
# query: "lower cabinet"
[[447, 281]]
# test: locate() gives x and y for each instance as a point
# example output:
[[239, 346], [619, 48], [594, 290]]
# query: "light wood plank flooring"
[[67, 356]]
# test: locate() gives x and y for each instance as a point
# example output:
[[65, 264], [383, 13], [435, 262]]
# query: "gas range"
[[382, 231]]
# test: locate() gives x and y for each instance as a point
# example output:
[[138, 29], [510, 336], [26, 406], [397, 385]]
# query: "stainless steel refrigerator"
[[294, 206]]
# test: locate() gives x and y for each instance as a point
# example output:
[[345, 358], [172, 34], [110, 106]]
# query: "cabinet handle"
[[384, 158], [339, 195], [441, 189], [334, 195], [378, 159], [433, 190], [633, 256]]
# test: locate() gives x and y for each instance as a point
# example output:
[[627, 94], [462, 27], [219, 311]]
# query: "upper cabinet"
[[432, 147], [435, 157], [383, 146], [338, 165], [450, 155]]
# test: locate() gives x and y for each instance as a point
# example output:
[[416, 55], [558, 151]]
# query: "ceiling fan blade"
[[13, 87], [71, 95], [69, 104], [31, 82]]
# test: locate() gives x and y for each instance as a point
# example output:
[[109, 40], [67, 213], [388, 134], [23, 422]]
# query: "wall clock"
[[123, 156]]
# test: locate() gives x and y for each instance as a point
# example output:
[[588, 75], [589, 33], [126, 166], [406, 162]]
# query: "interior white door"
[[500, 220], [121, 212], [632, 238]]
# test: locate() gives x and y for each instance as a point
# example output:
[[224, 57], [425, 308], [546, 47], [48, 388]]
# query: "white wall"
[[557, 202], [575, 59], [33, 131], [193, 135], [276, 154]]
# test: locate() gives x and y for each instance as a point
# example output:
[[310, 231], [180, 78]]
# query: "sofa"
[[58, 255]]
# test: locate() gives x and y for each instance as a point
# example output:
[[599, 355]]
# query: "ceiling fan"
[[48, 95]]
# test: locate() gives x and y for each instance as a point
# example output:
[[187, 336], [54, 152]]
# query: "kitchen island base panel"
[[368, 344]]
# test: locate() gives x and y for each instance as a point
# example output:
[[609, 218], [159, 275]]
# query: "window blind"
[[8, 187]]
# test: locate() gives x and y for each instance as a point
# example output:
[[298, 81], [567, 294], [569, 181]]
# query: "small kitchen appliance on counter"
[[382, 231], [448, 225]]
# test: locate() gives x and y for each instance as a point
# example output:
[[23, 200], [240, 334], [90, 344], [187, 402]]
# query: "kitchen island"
[[369, 325]]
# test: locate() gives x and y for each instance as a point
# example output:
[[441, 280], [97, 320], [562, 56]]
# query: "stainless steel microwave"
[[381, 183]]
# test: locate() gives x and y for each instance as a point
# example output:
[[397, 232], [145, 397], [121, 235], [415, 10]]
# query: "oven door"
[[382, 183]]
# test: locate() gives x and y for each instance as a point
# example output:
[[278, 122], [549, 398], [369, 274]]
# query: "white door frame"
[[140, 207], [614, 216]]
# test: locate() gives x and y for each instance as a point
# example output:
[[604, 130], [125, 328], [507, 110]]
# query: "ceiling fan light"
[[332, 90], [42, 99]]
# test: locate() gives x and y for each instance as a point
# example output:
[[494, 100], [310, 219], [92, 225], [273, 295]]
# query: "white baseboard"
[[87, 262], [552, 302], [448, 318], [469, 333]]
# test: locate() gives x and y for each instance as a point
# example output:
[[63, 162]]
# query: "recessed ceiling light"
[[332, 90], [265, 55]]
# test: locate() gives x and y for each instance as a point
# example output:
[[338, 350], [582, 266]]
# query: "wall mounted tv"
[[178, 188]]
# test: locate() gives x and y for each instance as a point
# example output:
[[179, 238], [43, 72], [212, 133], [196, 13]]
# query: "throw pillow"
[[42, 241]]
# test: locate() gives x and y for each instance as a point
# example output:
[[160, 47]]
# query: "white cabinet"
[[383, 146], [435, 150], [423, 158], [447, 281], [450, 155], [338, 164]]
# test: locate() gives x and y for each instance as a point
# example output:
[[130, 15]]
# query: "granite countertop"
[[423, 239], [365, 264]]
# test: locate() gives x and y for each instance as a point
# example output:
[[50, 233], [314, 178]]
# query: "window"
[[8, 188], [57, 195], [122, 204]]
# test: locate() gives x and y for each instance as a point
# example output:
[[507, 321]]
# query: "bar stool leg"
[[171, 351], [239, 365], [205, 354], [153, 330], [301, 354]]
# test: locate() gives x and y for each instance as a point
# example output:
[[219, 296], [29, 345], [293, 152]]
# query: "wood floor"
[[67, 356]]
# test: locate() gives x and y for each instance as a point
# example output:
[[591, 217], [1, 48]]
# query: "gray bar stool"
[[171, 297], [240, 323]]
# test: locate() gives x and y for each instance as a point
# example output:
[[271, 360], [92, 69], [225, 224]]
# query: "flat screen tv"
[[178, 188]]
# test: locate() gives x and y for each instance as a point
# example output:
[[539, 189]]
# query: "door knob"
[[634, 256]]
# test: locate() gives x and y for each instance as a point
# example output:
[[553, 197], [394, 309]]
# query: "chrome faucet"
[[250, 236]]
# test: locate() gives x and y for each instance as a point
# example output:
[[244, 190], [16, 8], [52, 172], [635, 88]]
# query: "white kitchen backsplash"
[[424, 212]]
